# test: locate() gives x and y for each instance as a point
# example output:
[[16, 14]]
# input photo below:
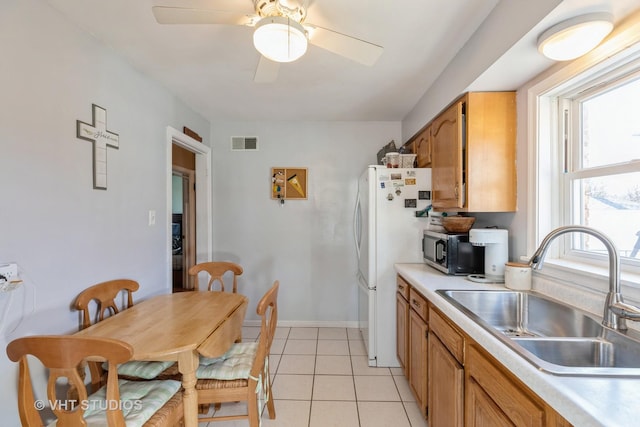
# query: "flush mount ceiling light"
[[576, 36], [280, 38]]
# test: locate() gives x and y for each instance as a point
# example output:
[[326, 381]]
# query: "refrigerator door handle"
[[357, 225]]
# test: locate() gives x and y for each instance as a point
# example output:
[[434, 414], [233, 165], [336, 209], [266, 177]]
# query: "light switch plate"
[[152, 217]]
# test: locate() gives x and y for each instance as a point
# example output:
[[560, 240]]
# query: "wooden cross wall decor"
[[97, 133]]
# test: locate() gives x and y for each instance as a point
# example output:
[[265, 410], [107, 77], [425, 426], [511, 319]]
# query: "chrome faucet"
[[615, 309]]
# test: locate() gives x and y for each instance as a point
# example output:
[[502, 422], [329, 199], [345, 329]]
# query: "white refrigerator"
[[386, 231]]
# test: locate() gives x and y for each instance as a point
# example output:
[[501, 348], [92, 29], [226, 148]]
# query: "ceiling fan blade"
[[184, 15], [341, 44], [267, 71]]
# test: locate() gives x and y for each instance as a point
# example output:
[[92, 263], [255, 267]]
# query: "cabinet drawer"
[[418, 304], [450, 336], [403, 288]]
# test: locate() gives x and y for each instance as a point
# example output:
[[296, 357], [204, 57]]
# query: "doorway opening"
[[188, 207], [183, 227]]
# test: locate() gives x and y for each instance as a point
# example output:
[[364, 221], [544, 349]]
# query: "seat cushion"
[[235, 364], [140, 400], [141, 369]]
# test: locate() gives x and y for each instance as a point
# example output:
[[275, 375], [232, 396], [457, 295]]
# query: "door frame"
[[204, 242]]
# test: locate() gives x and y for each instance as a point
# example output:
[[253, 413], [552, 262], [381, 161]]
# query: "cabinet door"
[[481, 410], [446, 386], [423, 148], [514, 400], [402, 331], [490, 171], [418, 354], [447, 158]]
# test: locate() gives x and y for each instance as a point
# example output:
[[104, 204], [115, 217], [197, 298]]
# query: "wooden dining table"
[[178, 327]]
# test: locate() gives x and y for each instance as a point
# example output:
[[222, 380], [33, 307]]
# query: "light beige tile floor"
[[321, 379]]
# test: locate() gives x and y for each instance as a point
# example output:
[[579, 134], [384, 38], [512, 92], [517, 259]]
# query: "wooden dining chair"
[[104, 295], [150, 403], [242, 373], [216, 270]]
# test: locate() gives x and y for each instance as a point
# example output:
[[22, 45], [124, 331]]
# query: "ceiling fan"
[[281, 33]]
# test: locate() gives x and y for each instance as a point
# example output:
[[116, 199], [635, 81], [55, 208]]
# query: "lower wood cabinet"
[[418, 357], [481, 409], [494, 399], [454, 380], [402, 326], [446, 386]]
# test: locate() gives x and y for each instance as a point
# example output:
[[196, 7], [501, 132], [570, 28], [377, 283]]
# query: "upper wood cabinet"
[[473, 152], [423, 148], [447, 180]]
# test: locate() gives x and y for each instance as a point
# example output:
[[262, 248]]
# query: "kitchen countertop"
[[583, 401]]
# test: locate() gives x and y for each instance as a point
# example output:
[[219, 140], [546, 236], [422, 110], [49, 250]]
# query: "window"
[[584, 160], [600, 162]]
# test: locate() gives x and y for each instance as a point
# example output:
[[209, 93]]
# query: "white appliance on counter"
[[386, 231]]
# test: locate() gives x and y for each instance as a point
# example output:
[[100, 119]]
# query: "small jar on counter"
[[517, 276]]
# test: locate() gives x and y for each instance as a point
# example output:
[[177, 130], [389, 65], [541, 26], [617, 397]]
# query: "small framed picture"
[[289, 183]]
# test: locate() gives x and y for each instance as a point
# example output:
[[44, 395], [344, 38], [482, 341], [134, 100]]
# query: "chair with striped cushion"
[[242, 373], [216, 270], [104, 295], [118, 403]]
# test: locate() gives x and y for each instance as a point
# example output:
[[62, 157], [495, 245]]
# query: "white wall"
[[306, 244], [64, 235]]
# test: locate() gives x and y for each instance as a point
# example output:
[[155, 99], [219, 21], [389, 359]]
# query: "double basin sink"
[[553, 336]]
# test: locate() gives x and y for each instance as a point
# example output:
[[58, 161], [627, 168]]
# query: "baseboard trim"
[[308, 324]]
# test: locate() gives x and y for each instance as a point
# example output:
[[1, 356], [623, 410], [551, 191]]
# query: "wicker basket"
[[407, 160], [457, 224]]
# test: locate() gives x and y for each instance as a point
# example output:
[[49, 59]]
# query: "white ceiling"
[[211, 67]]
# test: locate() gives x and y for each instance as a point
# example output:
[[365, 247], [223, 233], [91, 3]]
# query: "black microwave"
[[452, 253]]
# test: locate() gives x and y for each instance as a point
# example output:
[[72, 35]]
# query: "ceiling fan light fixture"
[[575, 37], [280, 38]]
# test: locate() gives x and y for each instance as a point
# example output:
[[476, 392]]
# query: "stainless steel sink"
[[586, 356], [523, 314], [553, 336]]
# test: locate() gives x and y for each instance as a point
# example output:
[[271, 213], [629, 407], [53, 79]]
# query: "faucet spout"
[[615, 310]]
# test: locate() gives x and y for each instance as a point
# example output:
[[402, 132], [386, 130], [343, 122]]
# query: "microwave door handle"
[[440, 251]]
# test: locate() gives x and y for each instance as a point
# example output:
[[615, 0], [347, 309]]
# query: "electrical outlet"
[[9, 271]]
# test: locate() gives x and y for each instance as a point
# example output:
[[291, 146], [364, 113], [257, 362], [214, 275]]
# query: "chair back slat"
[[216, 271], [104, 294], [62, 355], [26, 401], [63, 413]]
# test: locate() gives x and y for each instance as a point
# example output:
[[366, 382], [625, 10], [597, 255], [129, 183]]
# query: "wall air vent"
[[244, 143]]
